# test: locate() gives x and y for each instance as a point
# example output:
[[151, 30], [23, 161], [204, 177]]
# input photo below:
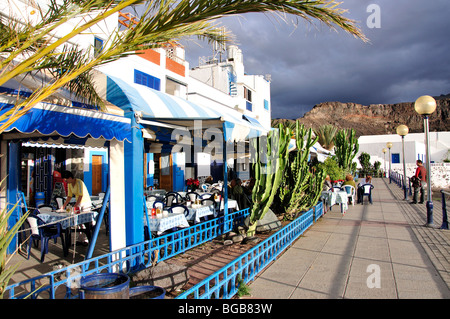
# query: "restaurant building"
[[130, 147]]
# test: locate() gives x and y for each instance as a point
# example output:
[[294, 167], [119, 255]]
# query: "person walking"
[[419, 182]]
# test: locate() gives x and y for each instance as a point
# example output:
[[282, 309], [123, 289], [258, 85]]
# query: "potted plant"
[[192, 184]]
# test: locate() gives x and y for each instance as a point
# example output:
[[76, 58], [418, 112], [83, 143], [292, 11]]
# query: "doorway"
[[165, 171], [97, 171]]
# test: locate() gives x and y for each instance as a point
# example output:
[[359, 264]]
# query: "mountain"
[[376, 119]]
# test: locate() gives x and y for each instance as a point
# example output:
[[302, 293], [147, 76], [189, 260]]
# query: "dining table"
[[336, 197], [159, 225], [68, 220], [155, 192], [232, 204], [197, 211]]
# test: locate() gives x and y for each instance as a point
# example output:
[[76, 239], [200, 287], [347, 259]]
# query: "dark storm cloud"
[[408, 56]]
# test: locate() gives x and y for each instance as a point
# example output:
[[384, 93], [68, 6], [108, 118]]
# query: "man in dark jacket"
[[421, 174]]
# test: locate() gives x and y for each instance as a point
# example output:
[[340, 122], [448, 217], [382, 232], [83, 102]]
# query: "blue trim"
[[134, 185], [47, 122], [88, 174], [13, 186], [248, 105], [147, 80], [150, 176]]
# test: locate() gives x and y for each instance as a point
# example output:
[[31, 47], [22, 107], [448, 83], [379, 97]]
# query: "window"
[[98, 46], [266, 105], [395, 158], [248, 97], [147, 80], [247, 94]]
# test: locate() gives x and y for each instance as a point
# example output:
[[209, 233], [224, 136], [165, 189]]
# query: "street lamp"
[[389, 146], [403, 130], [384, 153], [425, 106]]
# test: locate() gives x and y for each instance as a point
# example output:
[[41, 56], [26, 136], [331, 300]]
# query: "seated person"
[[360, 190], [349, 181], [327, 184]]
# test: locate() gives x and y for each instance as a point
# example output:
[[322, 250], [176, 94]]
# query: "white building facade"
[[414, 149]]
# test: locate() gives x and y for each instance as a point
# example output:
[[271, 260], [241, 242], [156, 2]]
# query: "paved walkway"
[[373, 251]]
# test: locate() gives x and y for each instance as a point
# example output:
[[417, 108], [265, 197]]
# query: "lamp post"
[[425, 106], [389, 146], [384, 153], [403, 130]]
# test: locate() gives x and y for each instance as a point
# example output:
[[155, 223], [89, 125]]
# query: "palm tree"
[[163, 21], [326, 134]]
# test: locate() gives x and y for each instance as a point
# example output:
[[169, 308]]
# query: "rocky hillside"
[[376, 119]]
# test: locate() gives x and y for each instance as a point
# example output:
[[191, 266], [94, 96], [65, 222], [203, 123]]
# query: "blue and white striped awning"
[[51, 119], [161, 107]]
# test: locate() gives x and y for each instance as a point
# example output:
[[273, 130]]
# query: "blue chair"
[[41, 231], [173, 198], [366, 191], [192, 196]]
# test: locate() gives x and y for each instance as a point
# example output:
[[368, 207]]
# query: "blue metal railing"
[[126, 260], [444, 210], [225, 282], [318, 211]]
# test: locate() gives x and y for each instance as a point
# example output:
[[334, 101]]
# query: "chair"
[[40, 231], [45, 208], [209, 201], [192, 196], [59, 201], [179, 209], [152, 198], [366, 191], [205, 187], [337, 188], [206, 195], [173, 198], [350, 193], [158, 203]]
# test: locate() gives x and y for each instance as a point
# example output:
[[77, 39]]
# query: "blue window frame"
[[147, 80], [395, 158], [98, 45]]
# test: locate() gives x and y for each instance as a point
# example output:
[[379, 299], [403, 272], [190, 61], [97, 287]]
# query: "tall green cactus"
[[269, 168], [296, 191], [346, 147]]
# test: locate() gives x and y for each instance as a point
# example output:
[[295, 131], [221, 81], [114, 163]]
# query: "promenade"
[[373, 251]]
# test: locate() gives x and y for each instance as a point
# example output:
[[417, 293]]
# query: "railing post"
[[444, 212]]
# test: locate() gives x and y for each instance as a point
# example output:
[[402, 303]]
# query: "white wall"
[[414, 146]]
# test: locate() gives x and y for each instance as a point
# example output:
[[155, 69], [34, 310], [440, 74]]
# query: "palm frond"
[[163, 21]]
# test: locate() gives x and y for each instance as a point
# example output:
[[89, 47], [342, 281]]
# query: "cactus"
[[298, 188], [269, 169], [346, 147]]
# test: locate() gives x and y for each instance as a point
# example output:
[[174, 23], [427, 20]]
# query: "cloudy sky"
[[408, 55]]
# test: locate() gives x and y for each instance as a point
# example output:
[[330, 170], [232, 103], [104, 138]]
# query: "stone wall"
[[440, 173]]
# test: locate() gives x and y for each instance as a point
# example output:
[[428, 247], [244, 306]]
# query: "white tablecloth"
[[195, 213], [332, 198], [160, 225], [66, 220], [231, 204]]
